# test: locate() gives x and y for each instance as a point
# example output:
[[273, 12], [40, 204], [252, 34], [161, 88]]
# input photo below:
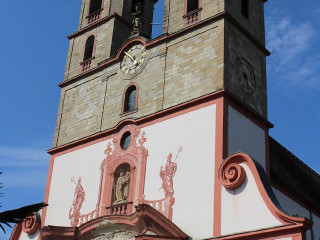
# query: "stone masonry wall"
[[177, 11], [255, 23], [197, 63], [85, 10], [103, 47], [239, 46], [194, 65], [177, 71], [102, 50]]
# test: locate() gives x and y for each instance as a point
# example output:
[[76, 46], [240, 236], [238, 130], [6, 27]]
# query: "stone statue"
[[167, 174], [121, 188], [137, 17]]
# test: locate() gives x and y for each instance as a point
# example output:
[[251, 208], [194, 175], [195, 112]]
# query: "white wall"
[[244, 209], [84, 163], [193, 182], [194, 179], [25, 236], [245, 136]]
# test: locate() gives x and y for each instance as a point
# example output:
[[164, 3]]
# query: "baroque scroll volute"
[[232, 175]]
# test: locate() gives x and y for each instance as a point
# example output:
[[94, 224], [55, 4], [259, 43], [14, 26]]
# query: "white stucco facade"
[[84, 163], [245, 136], [193, 182], [194, 179], [244, 209]]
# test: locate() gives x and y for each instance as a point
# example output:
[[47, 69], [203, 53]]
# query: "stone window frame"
[[192, 17], [125, 96], [92, 17], [86, 63]]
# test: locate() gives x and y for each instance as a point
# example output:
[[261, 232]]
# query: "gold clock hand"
[[131, 58]]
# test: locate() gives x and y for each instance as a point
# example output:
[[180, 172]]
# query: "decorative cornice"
[[268, 233], [146, 217], [159, 40]]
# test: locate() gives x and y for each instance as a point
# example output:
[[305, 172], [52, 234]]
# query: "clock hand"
[[131, 58], [135, 62], [248, 72]]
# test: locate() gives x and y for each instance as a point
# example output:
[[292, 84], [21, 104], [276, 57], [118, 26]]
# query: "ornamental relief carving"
[[122, 180], [167, 173], [116, 236], [31, 224], [111, 230], [232, 175], [78, 199]]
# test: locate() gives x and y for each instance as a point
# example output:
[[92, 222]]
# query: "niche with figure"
[[121, 185]]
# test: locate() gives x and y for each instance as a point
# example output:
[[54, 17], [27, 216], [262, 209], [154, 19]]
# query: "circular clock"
[[133, 59], [245, 75]]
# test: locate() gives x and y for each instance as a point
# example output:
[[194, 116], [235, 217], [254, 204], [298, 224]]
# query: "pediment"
[[145, 221]]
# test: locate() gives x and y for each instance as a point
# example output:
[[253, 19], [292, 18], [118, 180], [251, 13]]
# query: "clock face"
[[133, 59], [245, 75]]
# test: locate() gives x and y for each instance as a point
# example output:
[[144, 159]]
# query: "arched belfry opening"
[[95, 5], [135, 2], [192, 5], [88, 52], [137, 11]]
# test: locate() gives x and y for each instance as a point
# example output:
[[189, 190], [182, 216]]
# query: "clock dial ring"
[[133, 60], [245, 75]]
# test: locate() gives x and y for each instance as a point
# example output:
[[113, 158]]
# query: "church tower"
[[164, 138], [193, 58]]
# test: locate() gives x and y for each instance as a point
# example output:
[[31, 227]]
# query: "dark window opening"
[[192, 5], [95, 5], [89, 48], [245, 8], [130, 99], [125, 140]]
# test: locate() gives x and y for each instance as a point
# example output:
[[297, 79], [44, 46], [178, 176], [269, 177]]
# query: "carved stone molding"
[[135, 156], [232, 175], [144, 220], [31, 224]]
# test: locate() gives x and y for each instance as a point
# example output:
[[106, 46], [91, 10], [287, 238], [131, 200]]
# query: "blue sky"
[[34, 49]]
